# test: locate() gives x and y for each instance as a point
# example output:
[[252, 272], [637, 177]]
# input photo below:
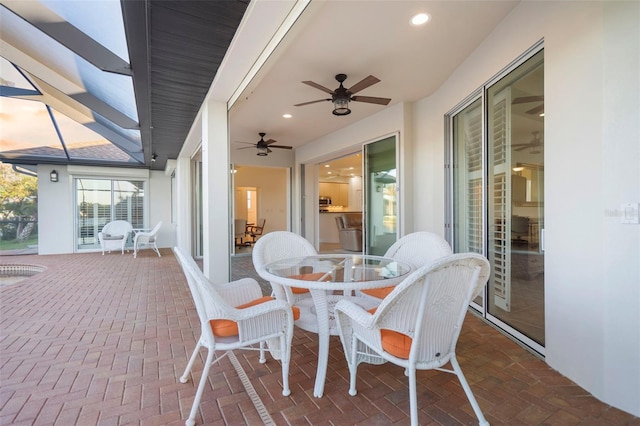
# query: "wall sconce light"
[[53, 176]]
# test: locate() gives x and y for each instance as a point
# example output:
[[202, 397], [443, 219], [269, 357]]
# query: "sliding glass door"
[[498, 194], [99, 201], [381, 196]]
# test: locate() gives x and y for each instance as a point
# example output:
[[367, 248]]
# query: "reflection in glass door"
[[498, 195], [381, 197], [515, 170]]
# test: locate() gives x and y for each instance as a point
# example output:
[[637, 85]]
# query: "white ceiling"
[[359, 38]]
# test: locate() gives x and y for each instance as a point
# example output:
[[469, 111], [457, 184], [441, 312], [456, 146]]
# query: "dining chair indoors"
[[255, 231], [114, 235], [417, 249], [147, 240], [280, 245], [417, 325], [234, 316]]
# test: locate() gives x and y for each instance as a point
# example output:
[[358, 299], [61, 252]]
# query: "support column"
[[184, 201], [215, 192]]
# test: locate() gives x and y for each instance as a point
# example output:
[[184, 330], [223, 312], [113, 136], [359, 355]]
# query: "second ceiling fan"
[[264, 146], [342, 96]]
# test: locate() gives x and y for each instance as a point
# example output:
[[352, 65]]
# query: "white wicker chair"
[[418, 324], [260, 321], [114, 236], [281, 245], [417, 249], [147, 240]]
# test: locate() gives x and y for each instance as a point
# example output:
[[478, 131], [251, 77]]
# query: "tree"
[[18, 201]]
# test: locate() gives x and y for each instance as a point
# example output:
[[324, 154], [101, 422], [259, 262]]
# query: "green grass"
[[17, 245]]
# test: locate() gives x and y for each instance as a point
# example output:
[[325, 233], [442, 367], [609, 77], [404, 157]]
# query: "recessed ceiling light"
[[327, 165], [420, 19], [287, 115]]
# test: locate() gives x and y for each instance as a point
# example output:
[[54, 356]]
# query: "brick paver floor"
[[102, 340]]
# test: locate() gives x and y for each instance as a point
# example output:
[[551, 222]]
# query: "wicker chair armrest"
[[355, 313], [269, 318], [262, 319]]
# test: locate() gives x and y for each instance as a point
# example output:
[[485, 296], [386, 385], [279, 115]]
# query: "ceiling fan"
[[528, 99], [264, 146], [342, 96], [536, 142]]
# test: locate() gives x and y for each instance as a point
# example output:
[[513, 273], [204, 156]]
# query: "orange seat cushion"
[[397, 344], [380, 293], [227, 328], [307, 277]]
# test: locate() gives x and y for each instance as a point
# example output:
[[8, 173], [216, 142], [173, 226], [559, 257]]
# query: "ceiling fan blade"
[[371, 100], [363, 84], [525, 99], [312, 102], [319, 87], [536, 110], [270, 141], [268, 150], [281, 146], [246, 147]]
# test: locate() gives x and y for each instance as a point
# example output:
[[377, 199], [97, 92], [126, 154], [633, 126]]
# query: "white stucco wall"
[[56, 204], [55, 212], [160, 194], [592, 163]]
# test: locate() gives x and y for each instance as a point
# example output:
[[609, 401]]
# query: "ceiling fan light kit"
[[341, 106], [342, 96]]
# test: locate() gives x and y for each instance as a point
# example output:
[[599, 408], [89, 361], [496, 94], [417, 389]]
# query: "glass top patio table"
[[338, 271], [330, 278]]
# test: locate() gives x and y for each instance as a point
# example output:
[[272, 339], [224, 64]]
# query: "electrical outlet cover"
[[629, 213]]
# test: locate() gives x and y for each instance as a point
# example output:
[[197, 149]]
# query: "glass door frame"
[[481, 305], [479, 302]]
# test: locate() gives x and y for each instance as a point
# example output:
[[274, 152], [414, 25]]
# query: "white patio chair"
[[114, 236], [417, 249], [147, 240], [417, 325], [281, 245], [233, 316]]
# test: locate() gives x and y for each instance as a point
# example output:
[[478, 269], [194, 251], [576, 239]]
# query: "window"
[[99, 201]]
